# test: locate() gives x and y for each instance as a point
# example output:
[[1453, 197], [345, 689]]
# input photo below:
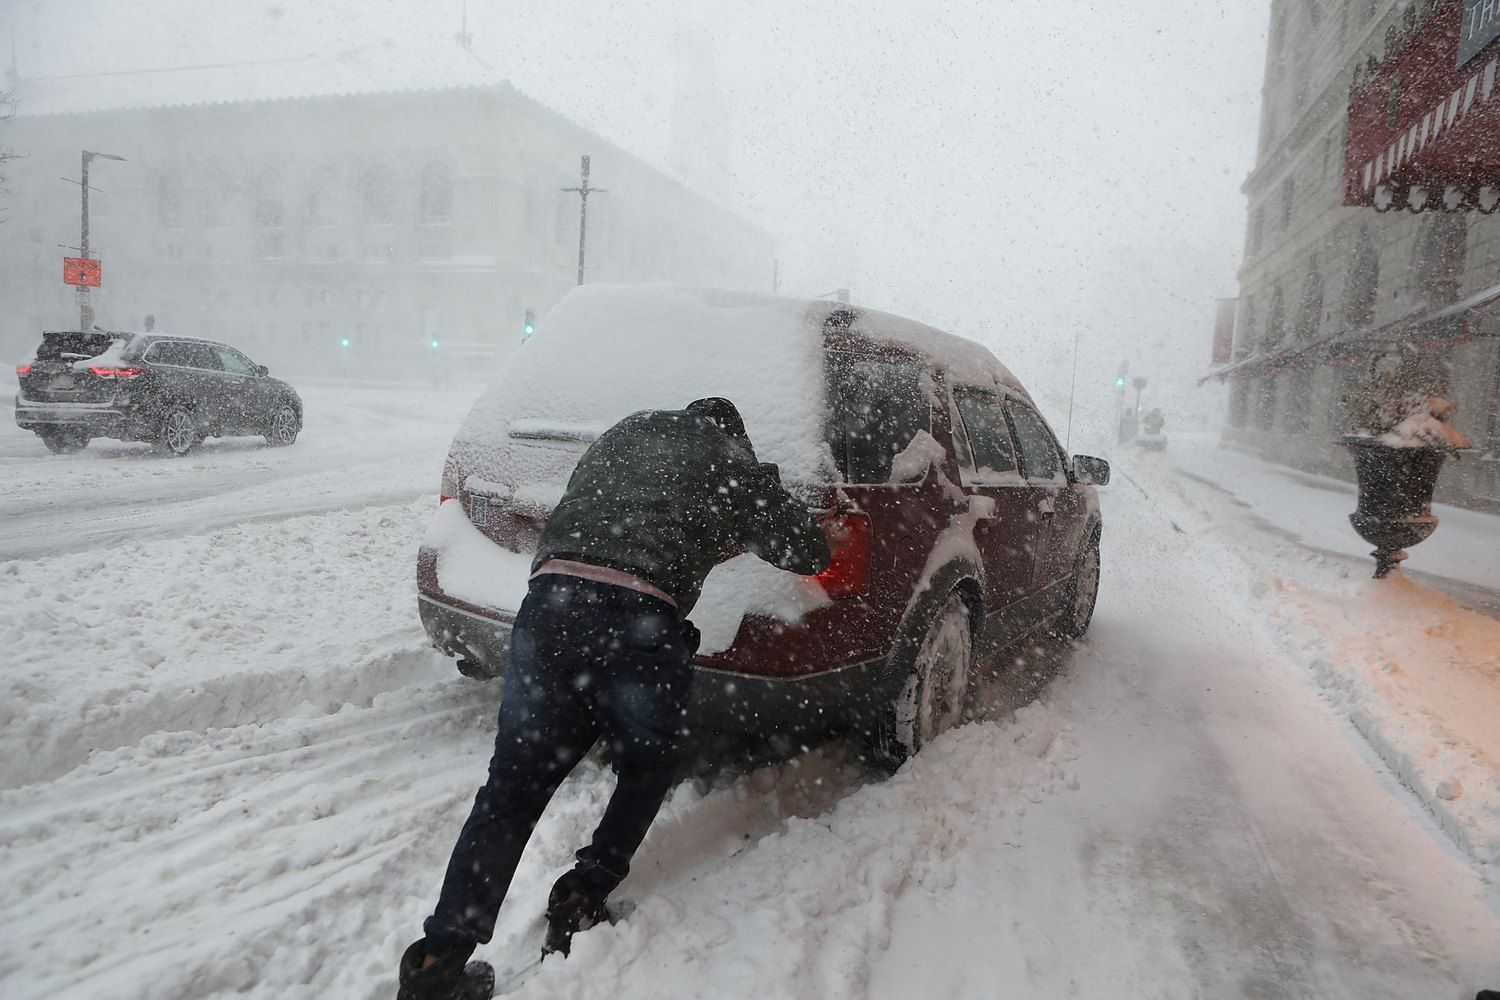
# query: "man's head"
[[723, 414]]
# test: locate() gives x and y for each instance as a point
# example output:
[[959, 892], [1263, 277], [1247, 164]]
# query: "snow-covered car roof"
[[606, 351]]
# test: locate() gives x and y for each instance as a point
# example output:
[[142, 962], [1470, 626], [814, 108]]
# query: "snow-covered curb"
[[1385, 653]]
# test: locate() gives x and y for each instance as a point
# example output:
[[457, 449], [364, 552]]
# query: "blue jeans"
[[587, 661]]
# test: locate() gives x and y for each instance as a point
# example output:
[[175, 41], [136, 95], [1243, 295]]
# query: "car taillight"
[[848, 572], [104, 372], [23, 369], [448, 486]]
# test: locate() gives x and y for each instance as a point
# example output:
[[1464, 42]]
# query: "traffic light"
[[344, 342], [529, 327], [1120, 382], [433, 343]]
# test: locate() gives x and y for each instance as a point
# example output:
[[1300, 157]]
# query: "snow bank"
[[219, 629]]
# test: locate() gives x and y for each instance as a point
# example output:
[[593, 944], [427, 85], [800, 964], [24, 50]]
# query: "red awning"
[[1424, 121]]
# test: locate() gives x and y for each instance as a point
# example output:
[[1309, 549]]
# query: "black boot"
[[446, 979], [575, 904]]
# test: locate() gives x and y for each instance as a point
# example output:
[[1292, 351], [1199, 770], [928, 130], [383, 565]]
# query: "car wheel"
[[179, 433], [64, 441], [1083, 593], [934, 691], [282, 429]]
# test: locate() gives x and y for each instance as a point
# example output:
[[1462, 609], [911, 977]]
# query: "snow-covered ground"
[[231, 767]]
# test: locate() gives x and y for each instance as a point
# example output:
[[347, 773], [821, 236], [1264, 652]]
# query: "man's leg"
[[642, 705], [543, 733]]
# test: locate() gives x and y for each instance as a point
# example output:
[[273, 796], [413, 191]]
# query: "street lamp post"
[[85, 311]]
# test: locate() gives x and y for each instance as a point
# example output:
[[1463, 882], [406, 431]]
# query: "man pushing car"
[[602, 649]]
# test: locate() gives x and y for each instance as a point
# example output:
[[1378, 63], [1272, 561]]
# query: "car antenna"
[[1072, 389]]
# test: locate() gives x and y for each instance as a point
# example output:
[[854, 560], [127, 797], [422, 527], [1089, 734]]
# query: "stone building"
[[1328, 277], [345, 232]]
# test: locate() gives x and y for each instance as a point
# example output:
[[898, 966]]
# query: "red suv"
[[956, 521]]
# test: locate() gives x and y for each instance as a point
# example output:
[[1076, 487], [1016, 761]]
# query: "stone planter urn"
[[1395, 496]]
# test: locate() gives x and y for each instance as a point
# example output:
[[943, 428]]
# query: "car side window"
[[233, 361], [989, 436], [165, 352], [1040, 456], [203, 356]]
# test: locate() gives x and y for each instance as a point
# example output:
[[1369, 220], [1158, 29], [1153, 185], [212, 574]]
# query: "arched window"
[[169, 201], [270, 209], [216, 194], [1265, 411], [1362, 283], [377, 194], [1440, 255], [435, 196], [322, 191]]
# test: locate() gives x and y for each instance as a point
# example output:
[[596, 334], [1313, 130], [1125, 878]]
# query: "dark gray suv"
[[170, 391]]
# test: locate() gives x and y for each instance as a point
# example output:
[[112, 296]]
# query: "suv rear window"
[[66, 346], [876, 407]]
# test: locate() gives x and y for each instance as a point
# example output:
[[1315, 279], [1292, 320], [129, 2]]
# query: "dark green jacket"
[[667, 495]]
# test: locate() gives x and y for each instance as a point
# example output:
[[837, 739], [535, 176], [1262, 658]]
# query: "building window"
[[169, 201], [1257, 228], [377, 194], [269, 209], [1288, 194], [435, 197], [218, 189], [322, 189]]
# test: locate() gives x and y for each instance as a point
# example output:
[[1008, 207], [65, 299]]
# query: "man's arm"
[[776, 526]]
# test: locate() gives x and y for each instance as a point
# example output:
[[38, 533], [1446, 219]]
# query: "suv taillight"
[[23, 369], [848, 572], [449, 484], [104, 372]]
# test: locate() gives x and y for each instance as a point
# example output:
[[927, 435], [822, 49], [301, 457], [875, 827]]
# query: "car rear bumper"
[[102, 418], [723, 701]]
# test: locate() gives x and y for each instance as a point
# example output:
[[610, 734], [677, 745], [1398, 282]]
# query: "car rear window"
[[876, 406], [73, 346]]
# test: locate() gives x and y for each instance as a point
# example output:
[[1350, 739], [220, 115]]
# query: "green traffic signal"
[[344, 342], [433, 344], [529, 329], [1120, 383]]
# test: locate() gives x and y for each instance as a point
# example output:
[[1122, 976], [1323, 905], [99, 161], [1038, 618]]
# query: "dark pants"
[[587, 661]]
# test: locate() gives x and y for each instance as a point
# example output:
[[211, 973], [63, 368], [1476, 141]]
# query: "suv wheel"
[[282, 429], [63, 440], [178, 434], [936, 683], [1083, 593]]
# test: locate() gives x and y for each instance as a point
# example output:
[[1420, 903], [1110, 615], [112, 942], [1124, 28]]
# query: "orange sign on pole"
[[81, 271]]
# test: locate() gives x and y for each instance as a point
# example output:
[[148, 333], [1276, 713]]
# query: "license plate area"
[[62, 382], [479, 511]]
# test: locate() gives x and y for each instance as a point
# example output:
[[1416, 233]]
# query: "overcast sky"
[[1017, 170]]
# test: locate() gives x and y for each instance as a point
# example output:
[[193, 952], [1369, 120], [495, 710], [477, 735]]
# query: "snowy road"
[[357, 447], [1176, 813]]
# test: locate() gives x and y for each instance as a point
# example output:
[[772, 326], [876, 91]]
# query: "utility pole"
[[85, 311], [584, 190]]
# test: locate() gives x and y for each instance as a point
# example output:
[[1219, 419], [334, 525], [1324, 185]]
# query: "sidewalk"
[[1461, 559], [1414, 660]]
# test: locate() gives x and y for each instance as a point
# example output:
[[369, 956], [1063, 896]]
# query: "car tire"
[[178, 432], [935, 671], [64, 440], [282, 428], [1083, 592]]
